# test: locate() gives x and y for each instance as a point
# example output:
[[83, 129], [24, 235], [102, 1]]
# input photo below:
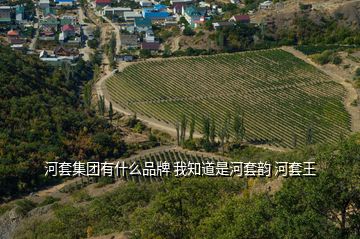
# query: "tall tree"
[[192, 127], [212, 135], [206, 129], [183, 126], [111, 112]]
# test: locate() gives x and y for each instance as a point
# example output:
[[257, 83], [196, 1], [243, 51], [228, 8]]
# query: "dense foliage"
[[42, 119], [326, 206]]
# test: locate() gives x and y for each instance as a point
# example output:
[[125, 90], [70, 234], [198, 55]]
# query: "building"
[[126, 58], [19, 13], [68, 20], [128, 41], [14, 37], [145, 3], [44, 4], [244, 19], [149, 36], [102, 3], [152, 46], [194, 15], [220, 25], [68, 3], [62, 51], [68, 30], [5, 14], [55, 60], [131, 16], [142, 24], [157, 12], [49, 11], [115, 11], [265, 5], [181, 1]]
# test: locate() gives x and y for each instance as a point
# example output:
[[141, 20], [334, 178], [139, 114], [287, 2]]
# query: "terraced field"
[[281, 95]]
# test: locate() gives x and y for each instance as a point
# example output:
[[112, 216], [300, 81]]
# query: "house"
[[115, 11], [55, 60], [102, 3], [126, 58], [157, 12], [149, 36], [44, 4], [49, 21], [68, 20], [177, 8], [19, 11], [244, 19], [68, 30], [49, 11], [128, 41], [181, 1], [142, 24], [131, 16], [5, 14], [194, 15], [145, 3], [152, 46], [220, 25], [265, 5], [62, 51], [235, 1], [64, 3], [14, 37]]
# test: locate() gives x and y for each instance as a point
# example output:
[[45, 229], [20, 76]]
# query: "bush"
[[24, 206], [48, 200], [188, 31], [81, 196]]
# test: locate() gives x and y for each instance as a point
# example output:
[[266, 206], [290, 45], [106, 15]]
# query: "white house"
[[44, 4], [115, 11], [265, 5], [145, 3], [149, 36], [131, 16]]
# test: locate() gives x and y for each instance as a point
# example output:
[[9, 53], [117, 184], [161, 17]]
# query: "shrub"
[[24, 206]]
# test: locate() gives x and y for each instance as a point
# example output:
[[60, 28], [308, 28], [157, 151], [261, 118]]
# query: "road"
[[32, 45]]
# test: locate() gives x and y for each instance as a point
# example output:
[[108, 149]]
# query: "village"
[[66, 30]]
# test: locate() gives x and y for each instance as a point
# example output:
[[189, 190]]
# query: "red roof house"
[[102, 3], [245, 19], [68, 28], [153, 46], [12, 33]]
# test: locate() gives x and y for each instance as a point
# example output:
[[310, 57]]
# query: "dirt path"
[[341, 79]]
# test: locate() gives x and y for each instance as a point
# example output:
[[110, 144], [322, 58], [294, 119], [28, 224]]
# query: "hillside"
[[42, 119], [213, 207], [281, 97]]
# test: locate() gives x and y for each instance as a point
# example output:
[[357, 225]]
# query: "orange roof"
[[12, 33]]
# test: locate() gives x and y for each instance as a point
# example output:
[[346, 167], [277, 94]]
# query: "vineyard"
[[281, 96]]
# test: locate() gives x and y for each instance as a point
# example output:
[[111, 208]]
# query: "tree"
[[192, 127], [309, 136], [239, 127], [188, 31], [212, 134], [177, 128], [101, 105], [206, 129], [183, 125], [111, 112]]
